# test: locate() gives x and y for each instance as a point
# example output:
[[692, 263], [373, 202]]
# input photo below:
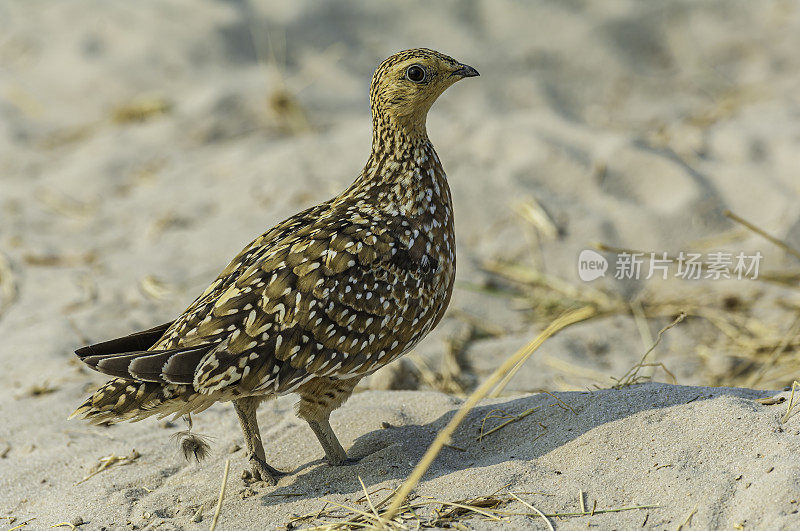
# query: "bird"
[[319, 301]]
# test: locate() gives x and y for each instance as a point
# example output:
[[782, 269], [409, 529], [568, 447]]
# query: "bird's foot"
[[347, 461], [260, 470]]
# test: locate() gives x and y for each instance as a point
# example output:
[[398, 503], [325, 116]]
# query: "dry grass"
[[104, 463], [487, 386], [790, 407], [20, 525], [221, 495], [764, 234], [425, 511], [141, 109], [757, 350], [452, 375], [502, 415], [632, 376]]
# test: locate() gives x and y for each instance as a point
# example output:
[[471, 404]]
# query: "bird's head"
[[406, 84]]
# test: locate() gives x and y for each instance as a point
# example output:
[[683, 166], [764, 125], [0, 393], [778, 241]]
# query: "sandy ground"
[[141, 148], [712, 457]]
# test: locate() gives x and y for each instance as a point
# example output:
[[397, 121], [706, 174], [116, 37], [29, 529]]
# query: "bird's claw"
[[260, 470]]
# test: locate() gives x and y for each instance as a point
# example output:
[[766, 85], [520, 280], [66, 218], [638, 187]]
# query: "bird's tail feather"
[[166, 366], [124, 399]]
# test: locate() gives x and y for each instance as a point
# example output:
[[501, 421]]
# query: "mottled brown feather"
[[330, 294]]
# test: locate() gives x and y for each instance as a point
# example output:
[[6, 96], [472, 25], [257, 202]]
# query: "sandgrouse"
[[321, 300]]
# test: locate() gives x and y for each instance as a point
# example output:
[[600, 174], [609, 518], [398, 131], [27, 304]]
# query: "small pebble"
[[77, 521]]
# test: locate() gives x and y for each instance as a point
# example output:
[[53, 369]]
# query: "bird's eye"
[[415, 73]]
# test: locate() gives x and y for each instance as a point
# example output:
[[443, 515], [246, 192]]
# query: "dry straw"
[[108, 461], [761, 232], [493, 380], [221, 495]]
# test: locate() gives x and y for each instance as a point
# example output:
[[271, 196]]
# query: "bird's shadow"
[[556, 419]]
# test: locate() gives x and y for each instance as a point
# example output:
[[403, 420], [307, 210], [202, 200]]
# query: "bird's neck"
[[392, 133], [403, 175]]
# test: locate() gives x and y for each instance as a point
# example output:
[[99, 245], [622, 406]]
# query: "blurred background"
[[143, 145]]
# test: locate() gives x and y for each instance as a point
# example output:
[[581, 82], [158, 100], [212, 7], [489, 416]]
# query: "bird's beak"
[[465, 71]]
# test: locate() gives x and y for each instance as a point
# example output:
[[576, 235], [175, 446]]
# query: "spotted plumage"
[[320, 300]]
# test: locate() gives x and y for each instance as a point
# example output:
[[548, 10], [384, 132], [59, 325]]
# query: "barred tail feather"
[[123, 399]]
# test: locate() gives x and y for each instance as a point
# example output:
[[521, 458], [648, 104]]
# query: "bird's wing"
[[170, 353], [338, 297], [325, 293]]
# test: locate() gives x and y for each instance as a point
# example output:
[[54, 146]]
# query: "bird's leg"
[[318, 398], [334, 452], [246, 409]]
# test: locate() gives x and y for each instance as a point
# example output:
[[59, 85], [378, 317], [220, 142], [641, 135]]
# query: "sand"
[[142, 147], [713, 457]]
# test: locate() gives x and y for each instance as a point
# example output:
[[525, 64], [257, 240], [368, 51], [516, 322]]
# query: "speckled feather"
[[332, 293]]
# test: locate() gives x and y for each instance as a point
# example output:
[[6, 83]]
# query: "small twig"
[[761, 232], [688, 519], [603, 511], [776, 353], [23, 524], [791, 404], [369, 501], [354, 510], [491, 415], [630, 376], [455, 447], [506, 379], [108, 461], [581, 501], [362, 499], [537, 511], [561, 402], [319, 513], [221, 495], [506, 423], [624, 250], [387, 498], [577, 515], [471, 508]]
